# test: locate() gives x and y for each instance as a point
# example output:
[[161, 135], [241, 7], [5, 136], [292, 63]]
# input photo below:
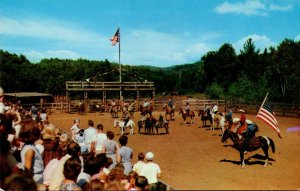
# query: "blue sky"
[[153, 32]]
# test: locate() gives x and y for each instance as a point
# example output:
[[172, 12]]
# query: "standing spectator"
[[43, 116], [50, 142], [75, 129], [125, 154], [151, 171], [90, 167], [30, 156], [73, 150], [98, 140], [8, 163], [140, 183], [111, 148], [2, 106], [137, 167], [34, 112], [20, 182], [89, 133], [81, 142], [16, 119], [94, 185], [71, 170]]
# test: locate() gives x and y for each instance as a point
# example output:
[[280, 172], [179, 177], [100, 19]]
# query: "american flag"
[[116, 38], [267, 114]]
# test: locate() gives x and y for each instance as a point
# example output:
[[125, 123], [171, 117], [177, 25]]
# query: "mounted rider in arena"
[[187, 108]]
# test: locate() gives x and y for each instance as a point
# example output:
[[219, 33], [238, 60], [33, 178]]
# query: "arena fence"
[[281, 109]]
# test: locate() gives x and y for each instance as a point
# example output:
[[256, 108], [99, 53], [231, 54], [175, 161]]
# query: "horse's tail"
[[272, 145]]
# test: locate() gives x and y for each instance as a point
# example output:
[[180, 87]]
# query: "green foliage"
[[214, 91], [221, 74]]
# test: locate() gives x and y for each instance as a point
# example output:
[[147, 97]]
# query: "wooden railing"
[[101, 86]]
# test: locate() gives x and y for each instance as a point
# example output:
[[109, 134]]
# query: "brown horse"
[[252, 145], [114, 111], [185, 115], [170, 112], [205, 116], [146, 110]]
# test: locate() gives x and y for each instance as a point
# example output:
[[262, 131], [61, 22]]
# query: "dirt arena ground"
[[193, 158]]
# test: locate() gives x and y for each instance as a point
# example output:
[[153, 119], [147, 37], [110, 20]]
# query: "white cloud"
[[297, 38], [249, 7], [160, 49], [260, 41], [46, 29], [252, 7], [35, 56], [274, 7]]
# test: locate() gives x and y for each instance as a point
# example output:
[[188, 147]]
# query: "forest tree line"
[[220, 74]]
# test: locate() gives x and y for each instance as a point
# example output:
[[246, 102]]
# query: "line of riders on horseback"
[[240, 130]]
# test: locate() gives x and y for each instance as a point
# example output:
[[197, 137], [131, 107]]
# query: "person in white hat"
[[151, 171], [2, 106]]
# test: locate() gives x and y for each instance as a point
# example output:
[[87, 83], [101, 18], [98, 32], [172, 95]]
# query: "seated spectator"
[[140, 183], [94, 185], [71, 170], [19, 182]]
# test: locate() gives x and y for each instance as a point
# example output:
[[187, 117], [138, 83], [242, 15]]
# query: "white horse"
[[220, 120], [121, 124]]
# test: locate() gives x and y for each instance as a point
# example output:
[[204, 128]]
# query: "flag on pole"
[[116, 38], [267, 114]]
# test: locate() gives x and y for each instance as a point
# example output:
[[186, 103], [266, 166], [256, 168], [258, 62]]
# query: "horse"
[[99, 107], [149, 125], [170, 112], [161, 123], [114, 111], [185, 115], [121, 124], [146, 110], [219, 119], [253, 144], [205, 116]]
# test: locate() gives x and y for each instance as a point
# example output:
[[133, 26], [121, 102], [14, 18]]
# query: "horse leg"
[[131, 130], [122, 131], [156, 129], [242, 159], [265, 148], [167, 128]]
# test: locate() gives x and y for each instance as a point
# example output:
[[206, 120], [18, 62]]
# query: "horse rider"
[[241, 124], [125, 117], [146, 103], [187, 108], [249, 134], [125, 106], [215, 108], [170, 103], [228, 116]]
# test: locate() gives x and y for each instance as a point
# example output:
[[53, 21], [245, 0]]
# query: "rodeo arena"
[[146, 143]]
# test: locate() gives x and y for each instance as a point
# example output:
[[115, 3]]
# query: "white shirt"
[[150, 171], [146, 104], [75, 129], [2, 107], [137, 167], [215, 108], [88, 135], [99, 140]]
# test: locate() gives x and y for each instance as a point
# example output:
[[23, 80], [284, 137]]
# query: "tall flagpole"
[[120, 69]]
